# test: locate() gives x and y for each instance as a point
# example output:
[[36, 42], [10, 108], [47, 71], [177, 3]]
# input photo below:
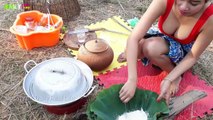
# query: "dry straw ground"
[[14, 105]]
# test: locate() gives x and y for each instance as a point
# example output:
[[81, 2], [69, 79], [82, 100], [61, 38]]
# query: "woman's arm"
[[201, 43], [156, 8]]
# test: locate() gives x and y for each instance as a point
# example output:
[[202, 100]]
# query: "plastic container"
[[36, 38], [133, 22]]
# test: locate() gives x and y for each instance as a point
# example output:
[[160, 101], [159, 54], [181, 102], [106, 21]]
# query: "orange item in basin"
[[34, 39]]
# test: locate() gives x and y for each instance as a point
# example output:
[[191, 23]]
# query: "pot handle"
[[90, 91], [27, 63]]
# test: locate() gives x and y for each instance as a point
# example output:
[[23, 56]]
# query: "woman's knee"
[[154, 47], [140, 48]]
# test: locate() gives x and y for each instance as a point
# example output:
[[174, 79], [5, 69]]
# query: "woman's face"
[[189, 7]]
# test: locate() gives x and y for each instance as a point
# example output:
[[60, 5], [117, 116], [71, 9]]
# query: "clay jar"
[[97, 54]]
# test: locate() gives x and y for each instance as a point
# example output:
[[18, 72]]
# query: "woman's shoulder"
[[207, 28], [159, 5], [164, 5], [162, 2], [209, 22], [209, 16]]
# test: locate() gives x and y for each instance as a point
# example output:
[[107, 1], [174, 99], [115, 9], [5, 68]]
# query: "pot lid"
[[96, 46], [58, 81], [58, 76]]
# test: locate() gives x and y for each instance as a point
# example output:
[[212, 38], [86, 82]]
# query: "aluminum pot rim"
[[83, 67]]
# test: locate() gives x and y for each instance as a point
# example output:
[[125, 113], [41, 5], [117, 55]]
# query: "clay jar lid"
[[96, 46]]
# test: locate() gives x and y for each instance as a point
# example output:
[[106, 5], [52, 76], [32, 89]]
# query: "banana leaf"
[[108, 106]]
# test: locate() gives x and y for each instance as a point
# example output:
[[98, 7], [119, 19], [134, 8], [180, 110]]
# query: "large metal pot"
[[58, 81], [97, 54]]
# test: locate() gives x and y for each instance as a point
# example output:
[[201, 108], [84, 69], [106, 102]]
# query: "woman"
[[186, 30]]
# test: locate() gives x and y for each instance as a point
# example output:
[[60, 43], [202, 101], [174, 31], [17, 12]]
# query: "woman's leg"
[[122, 57], [155, 49]]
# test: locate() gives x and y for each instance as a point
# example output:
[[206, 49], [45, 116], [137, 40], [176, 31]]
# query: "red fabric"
[[150, 78], [165, 15], [196, 29]]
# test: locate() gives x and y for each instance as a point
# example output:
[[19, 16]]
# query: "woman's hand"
[[127, 92], [165, 90]]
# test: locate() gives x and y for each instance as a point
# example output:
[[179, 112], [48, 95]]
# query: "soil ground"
[[15, 105]]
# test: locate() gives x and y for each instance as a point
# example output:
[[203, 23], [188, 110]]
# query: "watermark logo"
[[13, 6]]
